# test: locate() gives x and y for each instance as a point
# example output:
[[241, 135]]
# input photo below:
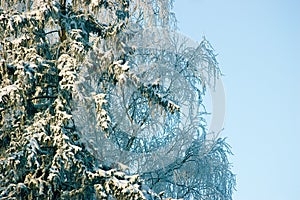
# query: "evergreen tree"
[[79, 95]]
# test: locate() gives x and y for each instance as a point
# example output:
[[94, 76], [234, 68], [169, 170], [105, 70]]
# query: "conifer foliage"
[[60, 60]]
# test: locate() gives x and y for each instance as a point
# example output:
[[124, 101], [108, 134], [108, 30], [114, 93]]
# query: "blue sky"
[[258, 46]]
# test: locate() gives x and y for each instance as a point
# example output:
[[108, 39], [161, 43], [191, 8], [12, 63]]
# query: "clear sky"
[[258, 46]]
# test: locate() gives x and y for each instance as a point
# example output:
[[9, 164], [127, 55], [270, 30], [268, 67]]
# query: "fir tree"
[[72, 78]]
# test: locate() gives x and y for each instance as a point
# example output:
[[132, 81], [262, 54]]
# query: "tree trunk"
[[62, 33]]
